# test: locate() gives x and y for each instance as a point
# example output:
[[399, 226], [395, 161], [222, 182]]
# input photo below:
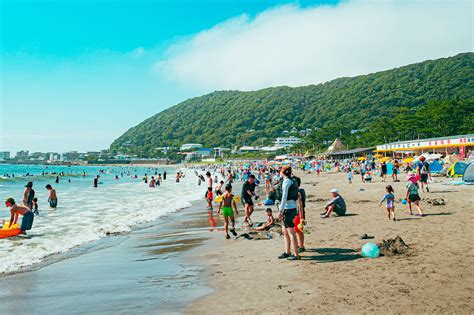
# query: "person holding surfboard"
[[15, 211]]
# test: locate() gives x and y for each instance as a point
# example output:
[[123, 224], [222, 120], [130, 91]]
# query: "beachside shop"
[[461, 145]]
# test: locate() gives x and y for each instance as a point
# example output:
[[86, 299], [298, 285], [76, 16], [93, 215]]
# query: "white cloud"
[[289, 45]]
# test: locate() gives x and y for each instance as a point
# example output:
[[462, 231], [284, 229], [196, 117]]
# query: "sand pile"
[[393, 246]]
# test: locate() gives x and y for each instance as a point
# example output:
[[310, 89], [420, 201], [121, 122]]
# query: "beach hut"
[[335, 147], [468, 175], [457, 169]]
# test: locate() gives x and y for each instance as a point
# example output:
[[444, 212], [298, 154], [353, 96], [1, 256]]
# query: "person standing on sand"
[[28, 195], [53, 198], [288, 212], [412, 195], [15, 211], [248, 191], [301, 216], [228, 207]]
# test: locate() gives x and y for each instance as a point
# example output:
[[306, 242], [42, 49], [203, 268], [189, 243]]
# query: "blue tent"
[[389, 168], [435, 167]]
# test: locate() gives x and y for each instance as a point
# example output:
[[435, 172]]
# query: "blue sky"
[[77, 74]]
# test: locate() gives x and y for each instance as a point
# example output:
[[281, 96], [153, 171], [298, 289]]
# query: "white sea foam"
[[86, 214]]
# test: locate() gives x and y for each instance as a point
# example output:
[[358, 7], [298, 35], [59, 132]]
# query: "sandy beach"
[[434, 276]]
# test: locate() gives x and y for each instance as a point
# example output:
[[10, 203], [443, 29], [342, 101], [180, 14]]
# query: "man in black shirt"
[[248, 191]]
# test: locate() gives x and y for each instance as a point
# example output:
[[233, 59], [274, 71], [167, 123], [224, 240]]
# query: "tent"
[[457, 169], [468, 175], [435, 167], [336, 146], [389, 168], [451, 159]]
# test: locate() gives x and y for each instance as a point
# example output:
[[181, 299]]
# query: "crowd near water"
[[59, 208]]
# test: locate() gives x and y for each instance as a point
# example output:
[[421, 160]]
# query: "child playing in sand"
[[269, 223], [349, 176], [228, 207], [390, 199], [209, 197], [412, 195]]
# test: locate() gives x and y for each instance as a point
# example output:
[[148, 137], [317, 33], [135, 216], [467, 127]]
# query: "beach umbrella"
[[378, 155], [408, 160], [361, 158], [384, 159]]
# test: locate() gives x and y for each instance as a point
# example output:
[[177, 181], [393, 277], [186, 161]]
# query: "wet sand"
[[435, 276], [141, 272]]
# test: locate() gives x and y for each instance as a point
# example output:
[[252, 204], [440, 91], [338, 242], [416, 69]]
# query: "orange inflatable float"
[[9, 232]]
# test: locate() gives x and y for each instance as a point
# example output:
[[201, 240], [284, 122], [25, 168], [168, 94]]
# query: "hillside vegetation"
[[387, 105]]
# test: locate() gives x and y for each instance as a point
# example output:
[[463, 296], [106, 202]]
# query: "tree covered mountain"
[[340, 106]]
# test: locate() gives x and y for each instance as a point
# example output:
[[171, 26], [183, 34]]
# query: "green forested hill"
[[339, 106]]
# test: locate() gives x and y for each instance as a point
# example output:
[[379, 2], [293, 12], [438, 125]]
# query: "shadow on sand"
[[439, 213], [327, 255]]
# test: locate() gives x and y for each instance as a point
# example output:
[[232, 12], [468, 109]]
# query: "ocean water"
[[86, 214]]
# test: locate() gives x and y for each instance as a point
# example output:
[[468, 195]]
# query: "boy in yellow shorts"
[[228, 207]]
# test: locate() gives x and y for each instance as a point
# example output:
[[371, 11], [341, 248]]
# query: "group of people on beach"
[[283, 189]]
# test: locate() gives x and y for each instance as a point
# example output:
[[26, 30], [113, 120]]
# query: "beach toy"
[[219, 199], [404, 201], [370, 250], [9, 232], [301, 227]]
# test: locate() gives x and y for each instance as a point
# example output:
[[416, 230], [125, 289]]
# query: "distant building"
[[190, 146], [248, 148], [204, 152], [70, 156], [286, 142], [4, 155], [219, 152], [22, 154]]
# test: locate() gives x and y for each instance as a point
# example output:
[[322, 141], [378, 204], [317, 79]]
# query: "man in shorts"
[[336, 204], [288, 212], [15, 211], [248, 191], [423, 169]]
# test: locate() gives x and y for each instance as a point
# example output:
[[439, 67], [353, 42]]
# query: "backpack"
[[292, 191], [424, 168]]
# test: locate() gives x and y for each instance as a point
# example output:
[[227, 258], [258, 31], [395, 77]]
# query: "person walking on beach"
[[28, 195], [248, 191], [383, 171], [228, 207], [389, 197], [53, 198], [288, 212], [15, 211], [395, 169], [423, 170]]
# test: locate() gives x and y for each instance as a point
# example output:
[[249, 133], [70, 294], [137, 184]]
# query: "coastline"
[[144, 270], [332, 276]]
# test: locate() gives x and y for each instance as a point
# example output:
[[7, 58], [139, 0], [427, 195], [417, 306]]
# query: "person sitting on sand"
[[412, 195], [268, 224], [367, 178], [228, 207], [336, 204], [53, 198], [15, 210]]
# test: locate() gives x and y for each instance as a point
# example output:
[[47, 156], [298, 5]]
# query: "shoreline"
[[147, 267], [332, 276]]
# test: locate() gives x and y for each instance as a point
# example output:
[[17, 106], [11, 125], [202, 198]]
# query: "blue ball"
[[404, 201], [370, 250]]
